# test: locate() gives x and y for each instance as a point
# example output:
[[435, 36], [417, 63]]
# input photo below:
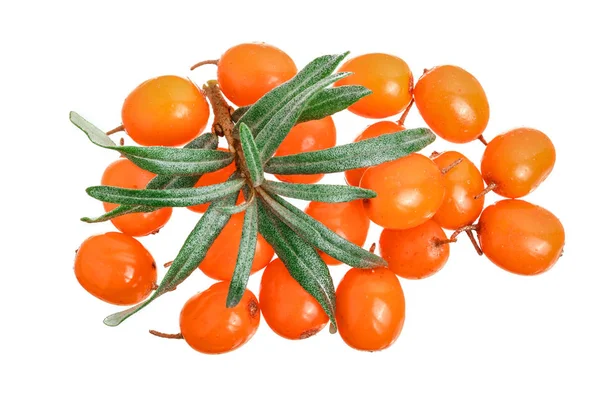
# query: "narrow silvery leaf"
[[365, 153], [324, 193], [251, 155]]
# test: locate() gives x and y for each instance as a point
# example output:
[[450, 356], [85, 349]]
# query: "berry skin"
[[518, 161], [209, 327], [248, 71], [353, 176], [453, 103], [165, 111], [125, 174], [219, 262], [115, 268], [212, 178], [463, 182], [287, 308], [409, 191], [347, 219], [307, 136], [369, 308], [415, 253], [387, 76], [520, 237]]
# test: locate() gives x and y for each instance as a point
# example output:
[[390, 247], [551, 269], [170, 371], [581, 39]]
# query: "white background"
[[472, 331]]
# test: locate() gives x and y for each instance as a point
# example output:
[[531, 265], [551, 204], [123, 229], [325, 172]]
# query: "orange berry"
[[415, 253], [287, 308], [369, 308], [518, 161], [210, 327], [125, 174], [219, 262], [463, 182], [409, 191], [308, 136], [248, 71], [520, 237], [387, 76], [165, 111], [453, 103], [115, 268], [353, 176], [347, 219], [212, 178]]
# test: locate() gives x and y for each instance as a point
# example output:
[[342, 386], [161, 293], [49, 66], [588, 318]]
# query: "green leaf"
[[158, 159], [243, 265], [320, 236], [365, 153], [168, 197], [323, 193], [238, 208], [301, 259], [251, 155], [261, 112], [274, 132], [191, 254]]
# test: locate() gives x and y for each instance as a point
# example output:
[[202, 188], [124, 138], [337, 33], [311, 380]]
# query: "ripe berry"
[[417, 252], [518, 161], [453, 103], [212, 178], [463, 183], [125, 174], [219, 262], [165, 111], [354, 176], [115, 268], [248, 71], [210, 327], [307, 136], [409, 191], [348, 219], [287, 308], [388, 77], [520, 237], [369, 308]]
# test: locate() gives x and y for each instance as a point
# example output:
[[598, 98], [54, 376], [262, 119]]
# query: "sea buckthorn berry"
[[353, 176], [287, 308], [115, 268], [307, 136], [219, 262], [463, 183], [248, 71], [165, 111], [518, 161], [125, 174], [212, 178], [347, 219], [520, 237], [369, 308], [210, 327], [387, 76], [409, 191], [453, 103], [417, 252]]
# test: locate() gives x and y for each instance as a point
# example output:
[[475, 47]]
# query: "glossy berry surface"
[[307, 136], [209, 327], [409, 192], [115, 268], [453, 103], [286, 307], [521, 237], [125, 174], [165, 111], [212, 178], [370, 308], [248, 71], [518, 161]]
